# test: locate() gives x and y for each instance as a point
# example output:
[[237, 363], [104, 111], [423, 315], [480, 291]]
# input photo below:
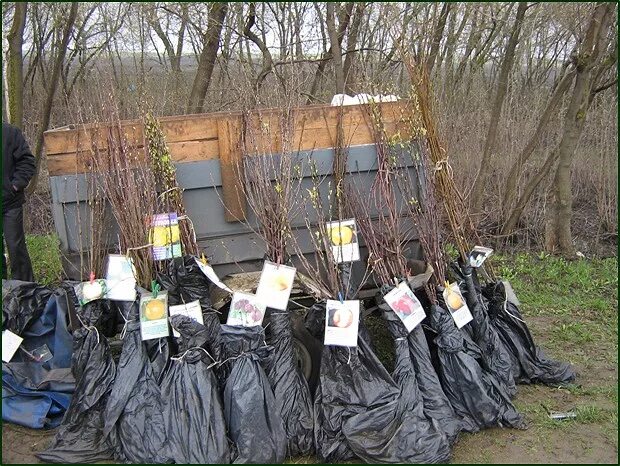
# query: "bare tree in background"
[[508, 59], [15, 66], [597, 40], [46, 111], [206, 62]]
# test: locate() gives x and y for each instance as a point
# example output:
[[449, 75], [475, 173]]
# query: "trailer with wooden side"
[[206, 151]]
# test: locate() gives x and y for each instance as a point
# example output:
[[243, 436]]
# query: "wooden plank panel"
[[190, 151], [204, 126], [229, 138], [194, 137], [63, 141], [195, 151]]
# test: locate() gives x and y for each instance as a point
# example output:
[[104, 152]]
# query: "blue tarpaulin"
[[35, 393]]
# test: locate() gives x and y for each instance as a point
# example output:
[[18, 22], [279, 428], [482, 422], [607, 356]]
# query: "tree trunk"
[[206, 62], [558, 237], [335, 47], [489, 145], [15, 66], [437, 35], [44, 119], [348, 67], [343, 23], [528, 191]]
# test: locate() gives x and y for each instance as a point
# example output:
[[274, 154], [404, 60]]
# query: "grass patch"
[[549, 285], [591, 414], [44, 253]]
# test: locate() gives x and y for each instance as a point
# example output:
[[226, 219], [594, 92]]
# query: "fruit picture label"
[[456, 305], [246, 310], [406, 306], [343, 239], [90, 291], [154, 316], [165, 236], [191, 310], [275, 285], [120, 278], [341, 322]]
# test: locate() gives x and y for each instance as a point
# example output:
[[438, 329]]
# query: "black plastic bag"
[[185, 282], [135, 410], [434, 400], [193, 410], [290, 388], [80, 437], [352, 381], [22, 304], [529, 363], [252, 417], [475, 394], [495, 355], [398, 431]]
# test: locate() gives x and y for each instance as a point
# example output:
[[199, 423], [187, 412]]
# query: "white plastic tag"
[[10, 344]]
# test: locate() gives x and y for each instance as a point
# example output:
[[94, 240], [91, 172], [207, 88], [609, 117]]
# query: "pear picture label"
[[343, 239], [457, 306]]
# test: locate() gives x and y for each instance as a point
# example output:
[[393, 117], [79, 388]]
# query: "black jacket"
[[18, 166]]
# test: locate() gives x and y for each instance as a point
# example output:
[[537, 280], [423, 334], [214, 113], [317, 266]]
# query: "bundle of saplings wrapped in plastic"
[[394, 200], [467, 376], [474, 392], [134, 413], [271, 187], [192, 406], [80, 437], [495, 356], [252, 417], [433, 401], [293, 400], [290, 388]]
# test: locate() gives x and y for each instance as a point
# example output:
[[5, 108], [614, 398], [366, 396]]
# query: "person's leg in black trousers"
[[13, 226]]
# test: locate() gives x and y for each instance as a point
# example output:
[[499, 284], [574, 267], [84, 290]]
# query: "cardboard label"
[[246, 309], [457, 306], [275, 285], [406, 306], [191, 310], [165, 236], [343, 239], [120, 278], [10, 344], [211, 275], [341, 322], [154, 316]]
